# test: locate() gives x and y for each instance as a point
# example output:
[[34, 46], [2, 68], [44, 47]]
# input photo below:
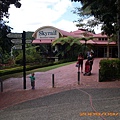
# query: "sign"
[[16, 41], [19, 41], [29, 41], [14, 35], [18, 47], [47, 33]]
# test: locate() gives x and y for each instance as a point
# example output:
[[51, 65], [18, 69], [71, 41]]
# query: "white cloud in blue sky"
[[34, 14]]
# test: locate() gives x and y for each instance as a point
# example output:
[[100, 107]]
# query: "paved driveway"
[[76, 104]]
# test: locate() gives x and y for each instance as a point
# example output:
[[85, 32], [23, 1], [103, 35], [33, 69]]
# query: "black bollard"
[[1, 82], [78, 77], [53, 80]]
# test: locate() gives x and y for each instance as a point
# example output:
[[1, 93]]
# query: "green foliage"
[[5, 43], [11, 71], [4, 58], [70, 47], [32, 67], [19, 59], [5, 5], [109, 69], [29, 35], [104, 12]]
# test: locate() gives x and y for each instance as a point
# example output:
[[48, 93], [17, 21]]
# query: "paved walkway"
[[65, 79]]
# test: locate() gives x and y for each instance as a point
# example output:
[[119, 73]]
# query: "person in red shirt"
[[80, 62]]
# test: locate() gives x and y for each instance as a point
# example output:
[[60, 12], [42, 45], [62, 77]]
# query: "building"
[[45, 35]]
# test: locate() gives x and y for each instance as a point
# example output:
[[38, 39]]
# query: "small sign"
[[29, 41], [18, 47], [16, 41], [14, 35]]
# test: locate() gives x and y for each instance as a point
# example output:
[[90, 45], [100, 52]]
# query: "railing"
[[53, 58]]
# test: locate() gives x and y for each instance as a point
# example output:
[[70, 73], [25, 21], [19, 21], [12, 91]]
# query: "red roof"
[[66, 34], [88, 42], [98, 42], [78, 33], [100, 35], [81, 31]]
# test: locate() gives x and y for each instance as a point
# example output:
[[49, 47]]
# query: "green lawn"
[[43, 69]]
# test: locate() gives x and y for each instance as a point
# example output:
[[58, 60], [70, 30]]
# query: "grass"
[[43, 69]]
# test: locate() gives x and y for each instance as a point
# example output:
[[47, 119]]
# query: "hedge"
[[109, 70], [28, 67]]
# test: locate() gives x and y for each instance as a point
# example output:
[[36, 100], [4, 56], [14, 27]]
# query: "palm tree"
[[72, 46], [68, 44]]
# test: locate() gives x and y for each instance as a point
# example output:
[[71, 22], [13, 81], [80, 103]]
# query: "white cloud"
[[34, 14], [66, 25]]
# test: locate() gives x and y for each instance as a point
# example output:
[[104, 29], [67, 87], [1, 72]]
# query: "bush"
[[11, 71], [109, 70], [28, 67], [19, 59]]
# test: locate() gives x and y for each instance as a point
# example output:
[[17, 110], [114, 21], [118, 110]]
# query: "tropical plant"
[[71, 46], [32, 56]]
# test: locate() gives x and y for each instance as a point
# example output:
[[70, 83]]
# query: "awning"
[[87, 42], [105, 43], [98, 42], [42, 41]]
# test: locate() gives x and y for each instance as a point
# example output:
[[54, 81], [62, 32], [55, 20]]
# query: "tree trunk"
[[118, 30]]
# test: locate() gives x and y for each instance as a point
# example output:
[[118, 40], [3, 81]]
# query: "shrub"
[[109, 69], [19, 59]]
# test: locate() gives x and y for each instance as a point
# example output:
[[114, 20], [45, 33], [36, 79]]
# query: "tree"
[[5, 44], [72, 44], [5, 5], [106, 12], [68, 44], [118, 27]]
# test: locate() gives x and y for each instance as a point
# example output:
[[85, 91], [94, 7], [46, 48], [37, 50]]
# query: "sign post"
[[24, 58], [14, 35], [16, 39]]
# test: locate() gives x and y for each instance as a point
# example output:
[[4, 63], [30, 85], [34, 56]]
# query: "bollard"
[[53, 80], [1, 82], [78, 77]]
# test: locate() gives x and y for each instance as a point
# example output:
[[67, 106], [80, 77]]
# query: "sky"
[[34, 14]]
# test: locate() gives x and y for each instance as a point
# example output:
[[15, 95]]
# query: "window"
[[106, 39], [102, 39]]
